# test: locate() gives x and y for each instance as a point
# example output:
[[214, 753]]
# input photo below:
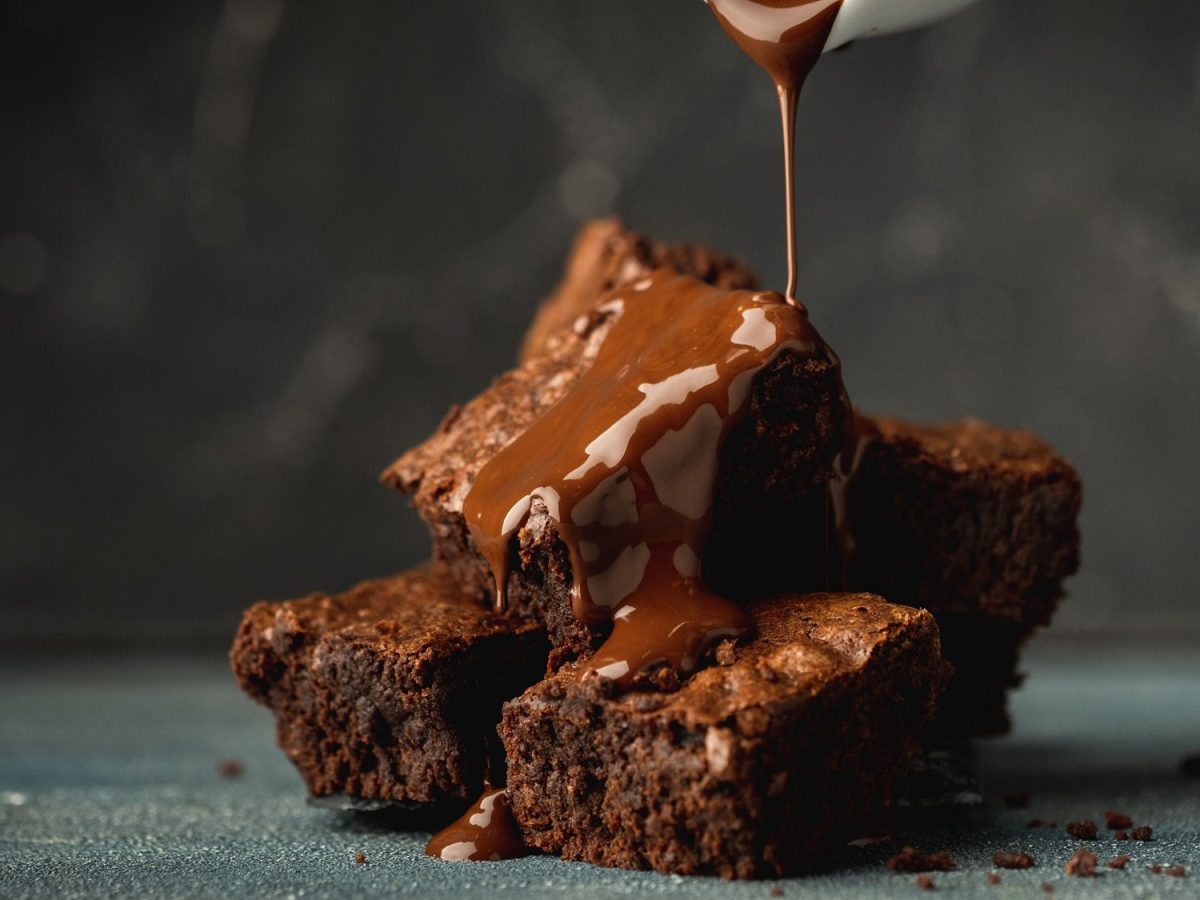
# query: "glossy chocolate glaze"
[[785, 38], [624, 465], [485, 832]]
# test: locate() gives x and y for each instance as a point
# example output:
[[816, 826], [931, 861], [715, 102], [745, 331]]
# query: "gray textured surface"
[[108, 786], [239, 271]]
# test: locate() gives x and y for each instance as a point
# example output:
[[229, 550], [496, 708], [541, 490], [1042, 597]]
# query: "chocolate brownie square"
[[966, 517], [390, 691], [753, 767], [978, 524]]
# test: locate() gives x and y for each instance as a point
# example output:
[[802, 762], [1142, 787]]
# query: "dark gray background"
[[250, 251]]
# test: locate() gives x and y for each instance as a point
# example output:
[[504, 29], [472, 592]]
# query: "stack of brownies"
[[416, 689]]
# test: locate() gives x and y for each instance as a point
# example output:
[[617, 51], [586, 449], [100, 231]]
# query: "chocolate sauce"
[[841, 541], [624, 465], [485, 832], [785, 38]]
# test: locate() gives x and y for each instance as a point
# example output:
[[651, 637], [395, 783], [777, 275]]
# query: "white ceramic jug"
[[867, 18]]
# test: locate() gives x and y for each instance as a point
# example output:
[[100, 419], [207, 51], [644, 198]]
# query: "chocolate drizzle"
[[624, 466], [485, 832], [785, 38], [841, 543]]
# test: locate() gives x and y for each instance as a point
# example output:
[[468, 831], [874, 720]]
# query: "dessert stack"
[[699, 622]]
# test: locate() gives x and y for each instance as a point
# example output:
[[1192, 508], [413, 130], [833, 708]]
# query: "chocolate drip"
[[785, 38], [485, 832], [841, 543], [624, 466]]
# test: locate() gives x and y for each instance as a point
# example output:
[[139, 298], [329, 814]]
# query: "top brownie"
[[783, 444]]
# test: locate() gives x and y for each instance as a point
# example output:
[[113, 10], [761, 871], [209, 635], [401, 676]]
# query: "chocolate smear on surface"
[[486, 832], [624, 464]]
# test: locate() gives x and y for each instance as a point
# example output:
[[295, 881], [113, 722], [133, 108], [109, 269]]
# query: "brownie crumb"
[[1177, 871], [726, 653], [1191, 766], [1156, 869], [230, 768], [1016, 801], [360, 858], [1006, 859], [776, 892], [1082, 864], [1120, 861], [925, 882], [1035, 823], [1085, 830], [1047, 887], [1142, 833], [1121, 836], [1115, 820], [993, 878], [1053, 823], [910, 859]]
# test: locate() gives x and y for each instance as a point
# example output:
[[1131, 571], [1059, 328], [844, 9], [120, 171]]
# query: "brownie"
[[605, 255], [753, 767], [390, 691], [965, 517], [783, 444], [977, 524]]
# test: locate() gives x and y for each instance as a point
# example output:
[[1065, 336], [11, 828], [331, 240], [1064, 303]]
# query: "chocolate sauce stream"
[[486, 831], [785, 38], [624, 465]]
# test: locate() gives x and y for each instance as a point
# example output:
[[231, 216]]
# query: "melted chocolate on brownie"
[[625, 463]]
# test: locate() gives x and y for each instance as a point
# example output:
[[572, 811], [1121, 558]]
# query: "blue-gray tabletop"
[[109, 785]]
